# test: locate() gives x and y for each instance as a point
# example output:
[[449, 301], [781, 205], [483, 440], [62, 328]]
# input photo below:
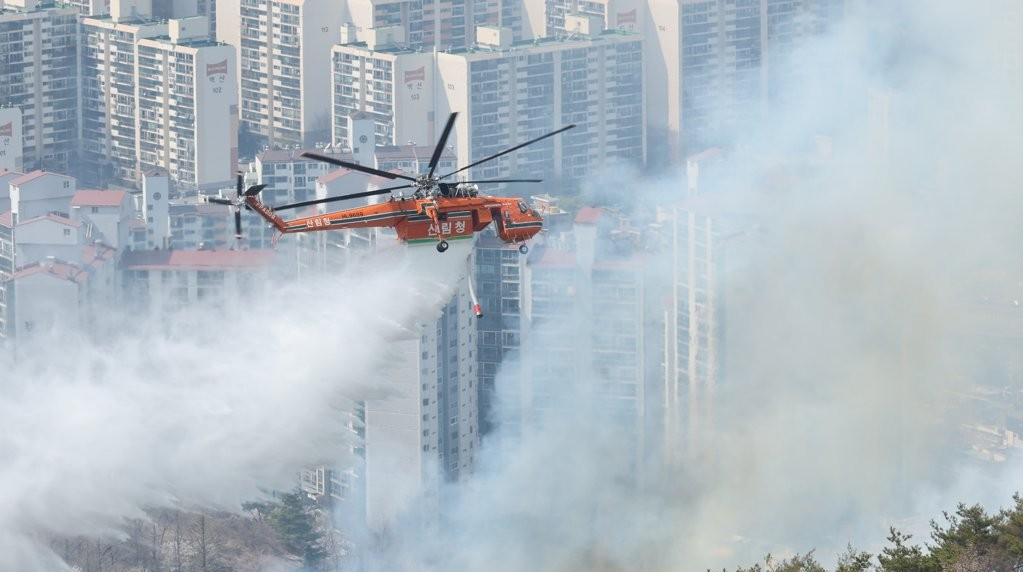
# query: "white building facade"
[[105, 214], [40, 193], [158, 95], [11, 141], [188, 106]]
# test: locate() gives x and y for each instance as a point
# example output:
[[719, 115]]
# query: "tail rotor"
[[238, 202]]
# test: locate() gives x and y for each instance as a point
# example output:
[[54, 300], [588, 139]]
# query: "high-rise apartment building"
[[717, 67], [590, 338], [283, 52], [692, 335], [511, 93], [703, 237], [392, 86], [427, 431], [432, 25], [39, 71], [158, 95], [566, 17], [498, 271], [507, 93]]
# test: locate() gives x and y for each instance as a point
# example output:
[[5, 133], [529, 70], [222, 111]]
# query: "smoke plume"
[[212, 407], [885, 262]]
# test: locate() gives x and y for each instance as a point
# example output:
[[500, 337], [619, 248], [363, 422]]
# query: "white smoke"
[[214, 410], [850, 319]]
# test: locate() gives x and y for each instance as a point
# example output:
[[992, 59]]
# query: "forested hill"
[[968, 540]]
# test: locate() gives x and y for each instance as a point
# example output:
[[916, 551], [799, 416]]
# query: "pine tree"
[[296, 530], [901, 557]]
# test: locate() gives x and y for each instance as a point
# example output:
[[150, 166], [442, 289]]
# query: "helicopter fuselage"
[[422, 219]]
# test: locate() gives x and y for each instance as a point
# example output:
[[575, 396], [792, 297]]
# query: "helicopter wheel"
[[523, 248], [442, 246]]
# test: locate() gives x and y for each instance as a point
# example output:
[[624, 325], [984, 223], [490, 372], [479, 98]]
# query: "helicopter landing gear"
[[442, 246], [523, 249]]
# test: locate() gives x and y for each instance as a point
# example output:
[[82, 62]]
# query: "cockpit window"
[[523, 207]]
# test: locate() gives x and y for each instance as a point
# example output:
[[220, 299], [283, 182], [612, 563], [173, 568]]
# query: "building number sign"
[[216, 74]]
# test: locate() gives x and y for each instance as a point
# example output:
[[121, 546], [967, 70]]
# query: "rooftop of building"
[[98, 198], [28, 177], [38, 7], [292, 155], [196, 259], [7, 219], [589, 215], [196, 42], [55, 268], [190, 41], [567, 39], [59, 218]]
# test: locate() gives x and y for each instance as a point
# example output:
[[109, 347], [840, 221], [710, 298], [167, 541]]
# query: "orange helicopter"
[[435, 211]]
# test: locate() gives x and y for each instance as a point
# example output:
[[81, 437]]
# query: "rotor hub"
[[426, 184]]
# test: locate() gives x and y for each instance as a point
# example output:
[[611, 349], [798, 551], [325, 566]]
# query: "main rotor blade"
[[503, 181], [254, 190], [506, 151], [340, 198], [238, 222], [441, 142], [355, 166], [219, 201], [238, 185]]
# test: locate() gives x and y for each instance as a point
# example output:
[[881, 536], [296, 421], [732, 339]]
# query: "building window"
[[67, 232], [95, 210]]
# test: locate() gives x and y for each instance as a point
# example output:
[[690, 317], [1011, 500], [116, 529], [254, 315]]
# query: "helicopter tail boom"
[[252, 200]]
